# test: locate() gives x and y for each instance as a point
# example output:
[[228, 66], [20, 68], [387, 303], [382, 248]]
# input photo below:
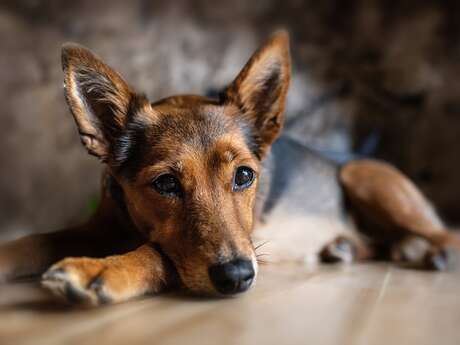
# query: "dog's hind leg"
[[112, 279], [388, 207], [416, 252]]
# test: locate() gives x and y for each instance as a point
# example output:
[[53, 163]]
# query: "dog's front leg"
[[32, 255], [117, 278]]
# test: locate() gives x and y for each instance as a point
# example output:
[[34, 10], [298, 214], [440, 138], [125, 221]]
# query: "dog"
[[192, 183]]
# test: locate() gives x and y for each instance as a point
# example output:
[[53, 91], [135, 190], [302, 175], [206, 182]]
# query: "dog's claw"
[[74, 295], [437, 260], [55, 274], [60, 284], [340, 250], [71, 282], [97, 285]]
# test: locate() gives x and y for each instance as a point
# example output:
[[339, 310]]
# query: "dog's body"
[[189, 178], [302, 204]]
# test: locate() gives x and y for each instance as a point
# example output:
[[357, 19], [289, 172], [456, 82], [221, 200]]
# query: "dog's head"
[[188, 166]]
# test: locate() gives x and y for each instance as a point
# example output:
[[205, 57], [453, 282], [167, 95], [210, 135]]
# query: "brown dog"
[[187, 178]]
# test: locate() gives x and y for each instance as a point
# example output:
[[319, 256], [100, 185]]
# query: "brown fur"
[[156, 241]]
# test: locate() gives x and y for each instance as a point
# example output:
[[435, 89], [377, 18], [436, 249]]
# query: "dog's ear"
[[98, 97], [260, 90]]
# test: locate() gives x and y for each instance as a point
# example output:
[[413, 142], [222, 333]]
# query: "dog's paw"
[[438, 259], [341, 249], [83, 281], [419, 254], [409, 251]]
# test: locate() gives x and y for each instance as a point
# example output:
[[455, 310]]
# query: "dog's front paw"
[[85, 281]]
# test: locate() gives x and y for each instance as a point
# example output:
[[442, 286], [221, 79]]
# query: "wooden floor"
[[361, 304]]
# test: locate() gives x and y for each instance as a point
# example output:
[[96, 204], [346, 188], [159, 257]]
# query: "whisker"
[[262, 262], [261, 244]]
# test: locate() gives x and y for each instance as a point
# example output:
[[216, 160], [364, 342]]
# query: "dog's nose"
[[232, 277]]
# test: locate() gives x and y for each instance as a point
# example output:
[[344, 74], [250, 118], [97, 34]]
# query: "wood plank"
[[291, 304], [415, 308]]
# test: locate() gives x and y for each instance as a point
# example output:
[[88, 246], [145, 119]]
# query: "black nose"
[[233, 276]]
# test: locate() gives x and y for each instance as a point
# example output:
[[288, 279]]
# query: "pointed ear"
[[98, 98], [260, 90]]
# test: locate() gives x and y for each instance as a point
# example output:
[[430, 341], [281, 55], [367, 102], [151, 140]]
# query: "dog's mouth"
[[224, 278], [214, 270]]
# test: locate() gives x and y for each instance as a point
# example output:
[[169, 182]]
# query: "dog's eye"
[[167, 185], [244, 177]]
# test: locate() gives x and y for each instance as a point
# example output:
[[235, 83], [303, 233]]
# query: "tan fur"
[[272, 57], [100, 82], [393, 202], [222, 220], [140, 241]]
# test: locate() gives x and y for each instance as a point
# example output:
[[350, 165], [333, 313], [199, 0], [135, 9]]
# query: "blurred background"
[[379, 76]]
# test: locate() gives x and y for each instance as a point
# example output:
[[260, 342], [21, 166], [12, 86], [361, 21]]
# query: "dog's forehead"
[[173, 134], [197, 125], [191, 131]]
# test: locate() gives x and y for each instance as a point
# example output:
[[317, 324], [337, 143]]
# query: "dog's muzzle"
[[232, 277]]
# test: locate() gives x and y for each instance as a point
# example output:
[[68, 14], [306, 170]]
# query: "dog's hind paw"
[[341, 249], [82, 281], [438, 260]]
